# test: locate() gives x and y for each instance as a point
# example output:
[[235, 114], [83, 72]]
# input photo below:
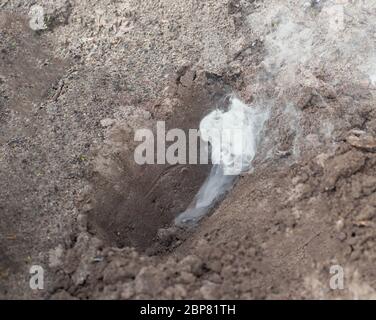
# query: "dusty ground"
[[73, 201]]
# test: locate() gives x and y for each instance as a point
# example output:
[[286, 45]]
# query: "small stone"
[[367, 143], [340, 224]]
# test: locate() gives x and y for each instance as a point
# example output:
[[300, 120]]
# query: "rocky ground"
[[73, 201]]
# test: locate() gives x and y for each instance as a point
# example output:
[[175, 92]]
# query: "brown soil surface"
[[73, 200]]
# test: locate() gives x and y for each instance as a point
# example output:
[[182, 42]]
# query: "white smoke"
[[316, 45], [318, 54], [304, 37], [233, 136]]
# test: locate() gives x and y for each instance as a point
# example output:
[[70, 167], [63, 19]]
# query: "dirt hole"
[[146, 199]]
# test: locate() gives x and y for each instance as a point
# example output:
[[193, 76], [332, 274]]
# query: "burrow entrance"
[[147, 198]]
